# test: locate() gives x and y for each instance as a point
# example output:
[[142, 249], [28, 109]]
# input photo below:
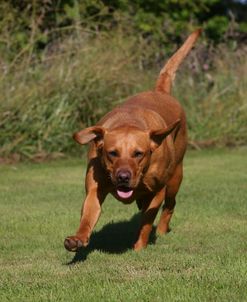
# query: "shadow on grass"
[[113, 238]]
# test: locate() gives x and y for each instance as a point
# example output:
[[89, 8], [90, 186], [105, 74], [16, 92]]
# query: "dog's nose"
[[123, 177]]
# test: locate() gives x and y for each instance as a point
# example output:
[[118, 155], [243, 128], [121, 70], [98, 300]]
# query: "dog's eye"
[[138, 154], [113, 153]]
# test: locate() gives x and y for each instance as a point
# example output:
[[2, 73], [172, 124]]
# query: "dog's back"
[[142, 109], [169, 109]]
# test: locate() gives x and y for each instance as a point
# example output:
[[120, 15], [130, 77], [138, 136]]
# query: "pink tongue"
[[124, 194]]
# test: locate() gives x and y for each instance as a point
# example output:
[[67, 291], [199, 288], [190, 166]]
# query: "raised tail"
[[168, 72]]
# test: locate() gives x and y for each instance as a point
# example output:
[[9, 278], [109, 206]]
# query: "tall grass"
[[44, 99], [43, 103], [214, 96]]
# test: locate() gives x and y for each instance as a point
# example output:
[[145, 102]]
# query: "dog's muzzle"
[[123, 178]]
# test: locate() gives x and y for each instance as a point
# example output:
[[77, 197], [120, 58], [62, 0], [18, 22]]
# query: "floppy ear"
[[157, 136], [87, 135]]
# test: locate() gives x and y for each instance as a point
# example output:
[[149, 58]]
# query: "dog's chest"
[[160, 170], [156, 177]]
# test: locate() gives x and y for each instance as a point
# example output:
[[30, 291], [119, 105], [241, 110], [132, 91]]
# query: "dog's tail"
[[168, 72]]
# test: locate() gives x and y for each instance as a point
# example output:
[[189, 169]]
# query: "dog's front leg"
[[90, 214], [149, 212]]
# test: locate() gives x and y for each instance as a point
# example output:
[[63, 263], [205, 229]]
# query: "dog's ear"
[[87, 135], [157, 136]]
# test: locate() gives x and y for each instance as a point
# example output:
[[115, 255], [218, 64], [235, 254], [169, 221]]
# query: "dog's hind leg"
[[170, 200], [149, 211]]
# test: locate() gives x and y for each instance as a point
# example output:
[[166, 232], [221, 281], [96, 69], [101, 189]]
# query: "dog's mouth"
[[124, 192]]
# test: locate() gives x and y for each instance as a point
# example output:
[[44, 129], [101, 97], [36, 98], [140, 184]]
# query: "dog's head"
[[125, 152]]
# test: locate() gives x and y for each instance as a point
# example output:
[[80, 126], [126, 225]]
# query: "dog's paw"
[[73, 243], [162, 230], [139, 245]]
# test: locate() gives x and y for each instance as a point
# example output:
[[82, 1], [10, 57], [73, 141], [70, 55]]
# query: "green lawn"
[[204, 258]]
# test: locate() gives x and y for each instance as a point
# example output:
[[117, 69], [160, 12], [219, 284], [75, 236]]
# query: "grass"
[[203, 259], [71, 84], [43, 102]]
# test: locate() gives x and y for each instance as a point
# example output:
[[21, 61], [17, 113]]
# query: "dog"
[[136, 153]]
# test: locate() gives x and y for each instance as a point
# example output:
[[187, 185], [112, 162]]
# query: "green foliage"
[[42, 105], [214, 97], [217, 27], [66, 63], [30, 26]]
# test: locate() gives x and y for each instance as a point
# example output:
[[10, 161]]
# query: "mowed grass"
[[203, 258]]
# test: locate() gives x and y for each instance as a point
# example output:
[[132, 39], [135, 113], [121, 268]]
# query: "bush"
[[44, 102], [213, 90], [65, 63], [77, 80]]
